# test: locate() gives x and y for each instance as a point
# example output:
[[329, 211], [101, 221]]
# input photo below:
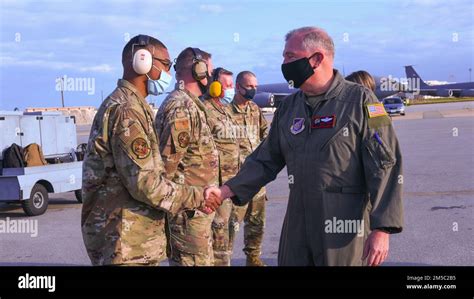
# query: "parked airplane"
[[465, 89]]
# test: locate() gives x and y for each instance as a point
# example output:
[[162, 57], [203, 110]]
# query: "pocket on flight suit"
[[381, 155], [345, 225], [343, 131], [339, 148]]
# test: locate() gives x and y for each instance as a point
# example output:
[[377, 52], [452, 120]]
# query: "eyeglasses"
[[166, 62]]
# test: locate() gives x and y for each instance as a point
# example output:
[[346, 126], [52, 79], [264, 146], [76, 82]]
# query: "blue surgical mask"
[[157, 87], [228, 96]]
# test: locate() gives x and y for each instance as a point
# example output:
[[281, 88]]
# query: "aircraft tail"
[[411, 73]]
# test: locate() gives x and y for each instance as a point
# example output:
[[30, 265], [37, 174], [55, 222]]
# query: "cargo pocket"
[[142, 228], [345, 227], [380, 154], [177, 227], [191, 235]]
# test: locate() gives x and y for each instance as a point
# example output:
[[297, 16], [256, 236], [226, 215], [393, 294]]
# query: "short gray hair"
[[313, 37], [241, 76]]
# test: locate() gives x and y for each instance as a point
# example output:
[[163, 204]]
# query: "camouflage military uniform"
[[252, 130], [124, 190], [190, 156], [223, 130]]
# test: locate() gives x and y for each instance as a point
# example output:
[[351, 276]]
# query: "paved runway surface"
[[439, 205]]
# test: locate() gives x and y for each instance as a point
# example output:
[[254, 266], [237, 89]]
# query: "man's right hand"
[[214, 196], [212, 199]]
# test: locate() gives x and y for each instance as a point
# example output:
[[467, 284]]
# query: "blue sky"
[[43, 40]]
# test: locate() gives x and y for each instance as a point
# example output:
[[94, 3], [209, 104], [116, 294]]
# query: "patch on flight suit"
[[297, 126], [378, 117], [376, 122], [376, 110], [183, 139], [140, 148], [323, 122]]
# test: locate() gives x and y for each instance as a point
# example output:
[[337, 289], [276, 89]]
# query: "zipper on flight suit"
[[311, 112]]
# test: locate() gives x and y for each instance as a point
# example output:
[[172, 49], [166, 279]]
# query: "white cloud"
[[101, 68], [212, 8], [8, 61], [427, 2]]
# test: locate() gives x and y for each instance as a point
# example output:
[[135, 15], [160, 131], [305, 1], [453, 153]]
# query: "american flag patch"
[[376, 110]]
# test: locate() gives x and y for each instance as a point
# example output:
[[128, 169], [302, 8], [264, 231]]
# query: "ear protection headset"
[[215, 88], [199, 68], [142, 59]]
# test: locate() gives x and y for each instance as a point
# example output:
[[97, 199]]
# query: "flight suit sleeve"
[[144, 180], [175, 138], [382, 160], [260, 167]]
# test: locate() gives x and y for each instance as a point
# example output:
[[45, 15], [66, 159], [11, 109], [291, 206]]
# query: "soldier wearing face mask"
[[189, 154], [252, 129], [125, 191], [222, 127]]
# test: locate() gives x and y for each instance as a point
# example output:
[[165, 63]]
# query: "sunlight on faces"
[[226, 81], [247, 82], [295, 49], [162, 54]]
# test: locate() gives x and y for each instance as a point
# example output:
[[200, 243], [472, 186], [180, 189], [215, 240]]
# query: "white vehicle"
[[56, 134]]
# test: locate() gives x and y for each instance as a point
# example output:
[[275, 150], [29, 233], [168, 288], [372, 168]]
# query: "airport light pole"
[[470, 70], [62, 90]]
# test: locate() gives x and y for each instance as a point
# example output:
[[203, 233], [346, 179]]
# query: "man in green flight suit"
[[343, 160]]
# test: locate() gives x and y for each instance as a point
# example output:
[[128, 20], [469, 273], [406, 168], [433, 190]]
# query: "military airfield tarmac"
[[437, 143]]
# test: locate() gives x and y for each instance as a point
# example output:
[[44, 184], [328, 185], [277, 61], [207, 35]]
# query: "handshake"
[[213, 197]]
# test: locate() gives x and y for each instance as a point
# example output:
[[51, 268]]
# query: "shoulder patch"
[[140, 148], [181, 124], [183, 139], [376, 110]]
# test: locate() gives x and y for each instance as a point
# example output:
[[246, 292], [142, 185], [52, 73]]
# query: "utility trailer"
[[30, 186]]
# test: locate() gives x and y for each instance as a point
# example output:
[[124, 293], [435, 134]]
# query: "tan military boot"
[[254, 261]]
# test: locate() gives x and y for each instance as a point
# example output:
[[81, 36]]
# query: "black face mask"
[[249, 93], [298, 71]]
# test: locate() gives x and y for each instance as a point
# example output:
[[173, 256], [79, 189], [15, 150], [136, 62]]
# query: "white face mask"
[[157, 87]]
